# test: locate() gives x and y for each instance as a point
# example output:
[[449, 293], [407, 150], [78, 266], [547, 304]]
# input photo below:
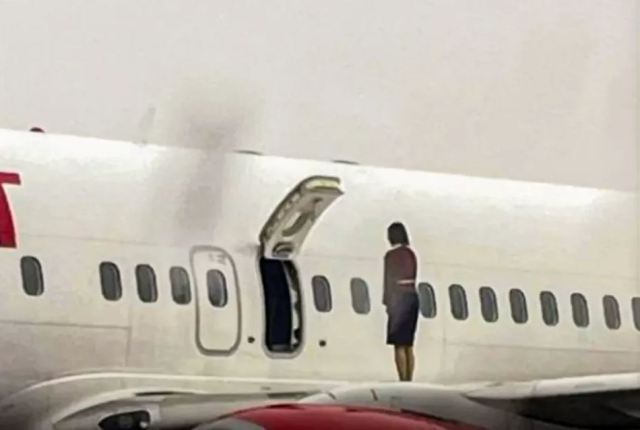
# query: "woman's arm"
[[386, 286]]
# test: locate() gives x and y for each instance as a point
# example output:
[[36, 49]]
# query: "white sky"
[[536, 90]]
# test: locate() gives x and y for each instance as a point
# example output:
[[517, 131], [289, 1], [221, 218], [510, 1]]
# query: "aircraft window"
[[549, 308], [458, 299], [180, 285], [146, 280], [427, 295], [518, 303], [635, 305], [611, 312], [488, 304], [580, 310], [110, 281], [321, 293], [360, 296], [32, 278], [217, 288]]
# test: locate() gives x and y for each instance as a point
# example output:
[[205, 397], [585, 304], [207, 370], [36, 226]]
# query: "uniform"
[[400, 296]]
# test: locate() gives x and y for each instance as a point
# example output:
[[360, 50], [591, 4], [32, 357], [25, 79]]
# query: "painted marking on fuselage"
[[7, 225]]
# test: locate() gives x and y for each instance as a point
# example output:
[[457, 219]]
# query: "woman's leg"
[[411, 362], [401, 361]]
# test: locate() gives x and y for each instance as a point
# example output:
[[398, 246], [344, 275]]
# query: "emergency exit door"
[[282, 238], [217, 300], [290, 223]]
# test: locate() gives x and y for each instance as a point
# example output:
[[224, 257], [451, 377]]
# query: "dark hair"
[[398, 234]]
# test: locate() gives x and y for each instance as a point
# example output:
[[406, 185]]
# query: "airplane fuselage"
[[95, 299]]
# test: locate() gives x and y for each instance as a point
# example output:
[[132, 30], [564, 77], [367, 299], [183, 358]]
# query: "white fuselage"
[[82, 202]]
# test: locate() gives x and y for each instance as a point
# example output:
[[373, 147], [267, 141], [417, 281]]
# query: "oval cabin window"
[[146, 280], [611, 312], [458, 298], [217, 288], [360, 296], [110, 281], [428, 307], [180, 285], [321, 293], [518, 303], [635, 307], [549, 308], [488, 304], [32, 278], [580, 310]]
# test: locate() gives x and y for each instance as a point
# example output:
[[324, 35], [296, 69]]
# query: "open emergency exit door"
[[288, 226], [281, 240]]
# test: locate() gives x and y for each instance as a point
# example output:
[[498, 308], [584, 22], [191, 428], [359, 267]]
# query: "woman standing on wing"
[[401, 299]]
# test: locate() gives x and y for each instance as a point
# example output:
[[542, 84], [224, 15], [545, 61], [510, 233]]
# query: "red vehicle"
[[328, 416]]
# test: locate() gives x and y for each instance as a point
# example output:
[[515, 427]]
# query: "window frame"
[[354, 284], [518, 301], [615, 307], [111, 266], [635, 310], [34, 264], [316, 282], [489, 313], [184, 274], [224, 289], [554, 310], [152, 281], [579, 298], [427, 295], [464, 309]]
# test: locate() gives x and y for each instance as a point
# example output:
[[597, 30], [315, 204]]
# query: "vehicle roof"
[[336, 417]]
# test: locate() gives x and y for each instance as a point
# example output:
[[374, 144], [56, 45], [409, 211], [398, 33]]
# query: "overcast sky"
[[535, 90]]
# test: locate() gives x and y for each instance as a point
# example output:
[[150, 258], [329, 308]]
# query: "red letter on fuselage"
[[7, 227]]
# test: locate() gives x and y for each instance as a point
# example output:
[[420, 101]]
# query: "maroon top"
[[400, 267]]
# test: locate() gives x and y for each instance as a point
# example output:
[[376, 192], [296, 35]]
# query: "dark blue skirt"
[[403, 319]]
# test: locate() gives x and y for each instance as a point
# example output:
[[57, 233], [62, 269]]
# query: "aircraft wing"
[[589, 402], [594, 402]]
